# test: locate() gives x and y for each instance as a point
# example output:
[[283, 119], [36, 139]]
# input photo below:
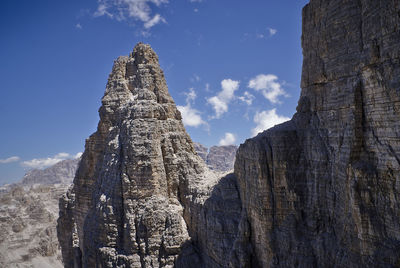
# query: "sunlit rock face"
[[323, 189], [217, 158], [28, 217], [140, 187]]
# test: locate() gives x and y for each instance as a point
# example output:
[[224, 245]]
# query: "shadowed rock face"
[[323, 189]]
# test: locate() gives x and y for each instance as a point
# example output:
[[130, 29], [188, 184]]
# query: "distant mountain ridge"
[[62, 172], [217, 158], [28, 214]]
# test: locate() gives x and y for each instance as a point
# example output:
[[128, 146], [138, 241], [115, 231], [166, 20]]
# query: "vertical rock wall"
[[323, 189]]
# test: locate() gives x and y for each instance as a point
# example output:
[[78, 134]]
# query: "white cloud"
[[260, 36], [190, 116], [269, 87], [78, 155], [221, 101], [266, 120], [155, 20], [78, 26], [9, 160], [41, 163], [229, 139], [247, 98], [135, 9], [207, 88], [272, 31]]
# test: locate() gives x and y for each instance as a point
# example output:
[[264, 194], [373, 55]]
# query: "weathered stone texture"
[[322, 189], [218, 158], [140, 187], [221, 158], [28, 216]]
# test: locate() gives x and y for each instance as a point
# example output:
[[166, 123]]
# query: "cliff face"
[[140, 185], [323, 189], [218, 158]]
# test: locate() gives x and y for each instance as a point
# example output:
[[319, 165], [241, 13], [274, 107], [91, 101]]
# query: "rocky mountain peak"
[[131, 184]]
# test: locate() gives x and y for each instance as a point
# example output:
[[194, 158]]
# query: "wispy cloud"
[[139, 10], [78, 26], [266, 120], [228, 139], [269, 86], [190, 116], [247, 98], [221, 101], [41, 163], [272, 31], [9, 160]]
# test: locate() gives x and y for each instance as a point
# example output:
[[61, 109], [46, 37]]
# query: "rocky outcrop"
[[322, 190], [140, 187], [201, 150], [318, 191], [219, 158], [28, 236], [63, 172], [28, 217]]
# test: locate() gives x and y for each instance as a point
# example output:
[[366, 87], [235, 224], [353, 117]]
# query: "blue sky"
[[232, 67]]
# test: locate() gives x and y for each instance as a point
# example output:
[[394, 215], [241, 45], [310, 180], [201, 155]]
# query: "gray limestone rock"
[[63, 172], [140, 187], [201, 150], [28, 236], [218, 158], [221, 158], [322, 189]]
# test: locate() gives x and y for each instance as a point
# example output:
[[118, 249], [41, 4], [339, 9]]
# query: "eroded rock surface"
[[28, 217], [140, 188], [28, 236], [221, 158], [322, 190], [218, 158]]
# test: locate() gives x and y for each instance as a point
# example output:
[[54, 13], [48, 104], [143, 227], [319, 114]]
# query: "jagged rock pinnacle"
[[126, 205]]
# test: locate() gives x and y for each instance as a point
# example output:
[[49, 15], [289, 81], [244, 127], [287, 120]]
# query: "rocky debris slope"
[[218, 158], [140, 189], [28, 217], [322, 190], [28, 236]]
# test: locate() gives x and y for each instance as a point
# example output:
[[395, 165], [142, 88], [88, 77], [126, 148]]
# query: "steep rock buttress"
[[322, 190], [139, 189]]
